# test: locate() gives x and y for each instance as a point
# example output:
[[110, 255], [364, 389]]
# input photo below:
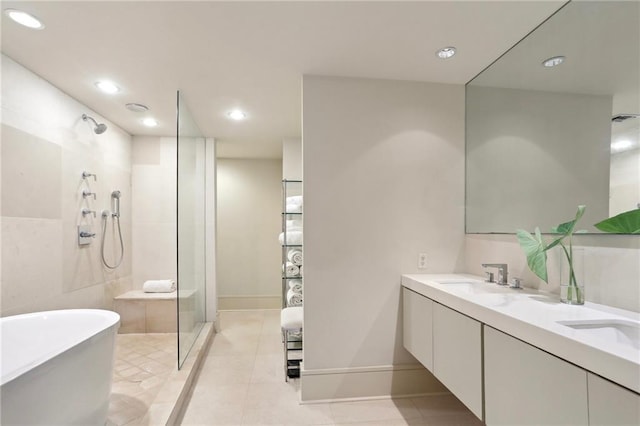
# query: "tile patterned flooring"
[[241, 382], [142, 365]]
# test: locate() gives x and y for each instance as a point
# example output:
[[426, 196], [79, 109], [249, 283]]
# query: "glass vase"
[[572, 278]]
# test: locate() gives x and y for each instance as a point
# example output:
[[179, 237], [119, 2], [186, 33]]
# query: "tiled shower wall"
[[45, 147], [153, 167]]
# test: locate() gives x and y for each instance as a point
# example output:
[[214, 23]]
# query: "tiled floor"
[[143, 364], [242, 383]]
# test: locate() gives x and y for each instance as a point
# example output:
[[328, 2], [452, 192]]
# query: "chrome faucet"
[[503, 272]]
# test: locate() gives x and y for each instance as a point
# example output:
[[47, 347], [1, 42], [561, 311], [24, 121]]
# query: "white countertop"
[[531, 316]]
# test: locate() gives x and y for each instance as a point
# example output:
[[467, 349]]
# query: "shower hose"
[[104, 237]]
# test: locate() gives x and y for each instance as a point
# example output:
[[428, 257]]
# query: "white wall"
[[292, 159], [248, 224], [154, 209], [383, 181], [45, 148]]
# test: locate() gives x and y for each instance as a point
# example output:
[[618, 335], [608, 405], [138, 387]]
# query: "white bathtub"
[[56, 367]]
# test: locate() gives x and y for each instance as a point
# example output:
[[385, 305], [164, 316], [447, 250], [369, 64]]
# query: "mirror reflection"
[[555, 123]]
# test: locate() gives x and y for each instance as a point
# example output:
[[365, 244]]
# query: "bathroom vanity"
[[522, 357]]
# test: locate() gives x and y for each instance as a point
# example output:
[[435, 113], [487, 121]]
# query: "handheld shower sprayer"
[[115, 214], [99, 127], [115, 203]]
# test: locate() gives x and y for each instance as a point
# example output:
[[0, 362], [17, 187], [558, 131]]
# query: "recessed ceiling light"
[[237, 115], [446, 52], [107, 87], [621, 145], [150, 122], [23, 18], [136, 107], [554, 61]]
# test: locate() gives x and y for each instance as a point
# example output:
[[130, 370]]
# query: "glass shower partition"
[[190, 230]]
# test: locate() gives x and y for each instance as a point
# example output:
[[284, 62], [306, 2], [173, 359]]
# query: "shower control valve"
[[87, 211], [86, 194], [86, 175], [85, 235]]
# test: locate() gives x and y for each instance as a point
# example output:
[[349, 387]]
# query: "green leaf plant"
[[535, 248], [624, 223]]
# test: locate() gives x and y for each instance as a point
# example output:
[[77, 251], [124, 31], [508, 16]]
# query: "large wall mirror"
[[542, 140]]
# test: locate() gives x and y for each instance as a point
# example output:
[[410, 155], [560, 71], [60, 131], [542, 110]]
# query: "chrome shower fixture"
[[619, 118], [99, 129]]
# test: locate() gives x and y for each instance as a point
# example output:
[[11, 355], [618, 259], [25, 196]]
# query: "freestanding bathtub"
[[56, 367]]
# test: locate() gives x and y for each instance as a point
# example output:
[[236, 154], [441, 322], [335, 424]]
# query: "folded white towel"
[[159, 286], [293, 238], [295, 256], [293, 208], [295, 286], [294, 299], [291, 270], [295, 199]]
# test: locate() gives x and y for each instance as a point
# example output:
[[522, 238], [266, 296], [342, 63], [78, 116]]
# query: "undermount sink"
[[491, 295], [621, 331], [470, 285], [459, 282]]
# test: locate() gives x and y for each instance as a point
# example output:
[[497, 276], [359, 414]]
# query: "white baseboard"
[[375, 382], [229, 303]]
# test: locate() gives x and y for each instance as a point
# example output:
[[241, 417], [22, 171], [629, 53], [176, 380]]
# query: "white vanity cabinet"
[[417, 327], [448, 344], [524, 385], [457, 355], [610, 404]]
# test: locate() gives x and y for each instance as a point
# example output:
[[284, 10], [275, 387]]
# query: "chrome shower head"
[[619, 118], [99, 129]]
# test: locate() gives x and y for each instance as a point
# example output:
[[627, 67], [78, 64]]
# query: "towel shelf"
[[291, 300]]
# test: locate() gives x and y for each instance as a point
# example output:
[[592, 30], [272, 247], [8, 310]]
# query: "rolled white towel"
[[293, 238], [291, 270], [293, 208], [295, 256], [159, 286], [295, 286], [294, 223], [295, 199], [294, 299]]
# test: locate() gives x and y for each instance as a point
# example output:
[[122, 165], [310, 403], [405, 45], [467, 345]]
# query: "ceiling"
[[252, 55]]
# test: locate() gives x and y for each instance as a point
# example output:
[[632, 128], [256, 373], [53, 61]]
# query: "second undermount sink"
[[614, 330]]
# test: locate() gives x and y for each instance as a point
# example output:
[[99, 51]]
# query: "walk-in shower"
[[99, 128], [191, 253]]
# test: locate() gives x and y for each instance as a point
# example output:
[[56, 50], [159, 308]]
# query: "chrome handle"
[[87, 211], [84, 234], [503, 271], [86, 175], [516, 283], [86, 194]]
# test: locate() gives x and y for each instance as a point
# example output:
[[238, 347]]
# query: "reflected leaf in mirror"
[[624, 223]]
